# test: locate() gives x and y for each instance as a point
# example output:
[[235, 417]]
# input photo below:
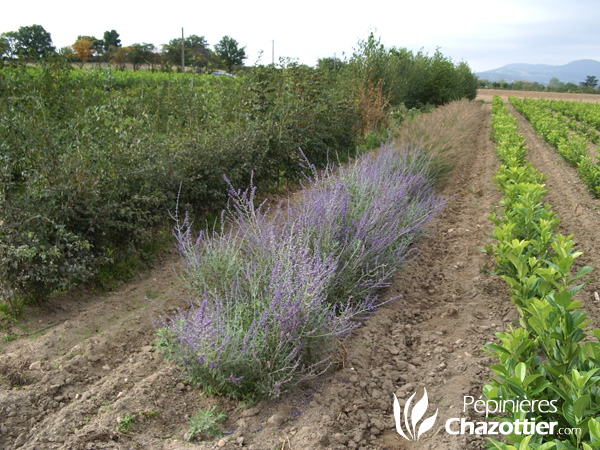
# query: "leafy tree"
[[138, 54], [4, 47], [571, 87], [590, 81], [467, 82], [441, 87], [68, 53], [9, 40], [229, 54], [400, 77], [483, 84], [118, 57], [555, 83], [331, 64], [196, 51], [97, 44], [501, 84], [84, 48], [32, 42], [200, 53], [111, 39]]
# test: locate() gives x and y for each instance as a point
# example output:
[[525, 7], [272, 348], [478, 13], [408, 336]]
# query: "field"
[[487, 95], [82, 370]]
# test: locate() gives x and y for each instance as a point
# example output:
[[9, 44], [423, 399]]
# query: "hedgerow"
[[91, 161], [91, 164]]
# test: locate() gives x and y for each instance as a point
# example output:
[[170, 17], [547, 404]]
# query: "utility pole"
[[273, 53], [182, 52]]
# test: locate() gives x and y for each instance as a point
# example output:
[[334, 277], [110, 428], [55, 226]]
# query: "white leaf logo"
[[416, 414]]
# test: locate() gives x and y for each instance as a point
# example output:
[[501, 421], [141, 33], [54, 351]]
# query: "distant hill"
[[574, 72]]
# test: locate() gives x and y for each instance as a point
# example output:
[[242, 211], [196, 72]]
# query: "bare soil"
[[82, 372], [487, 95]]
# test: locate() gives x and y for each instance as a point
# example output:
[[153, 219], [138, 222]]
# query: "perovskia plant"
[[274, 295]]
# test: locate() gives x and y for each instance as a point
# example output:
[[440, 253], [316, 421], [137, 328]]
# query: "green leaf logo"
[[412, 417]]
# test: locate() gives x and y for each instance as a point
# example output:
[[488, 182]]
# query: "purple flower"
[[277, 291]]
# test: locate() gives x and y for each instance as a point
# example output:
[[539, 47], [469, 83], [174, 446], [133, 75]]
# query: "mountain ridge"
[[572, 72]]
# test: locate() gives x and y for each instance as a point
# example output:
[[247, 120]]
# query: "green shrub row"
[[413, 80], [570, 137], [552, 357], [92, 161], [587, 114], [91, 164]]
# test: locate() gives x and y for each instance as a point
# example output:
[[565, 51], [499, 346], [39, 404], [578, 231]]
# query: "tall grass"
[[441, 133]]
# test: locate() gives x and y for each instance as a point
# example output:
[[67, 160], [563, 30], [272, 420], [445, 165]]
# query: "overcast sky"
[[485, 33]]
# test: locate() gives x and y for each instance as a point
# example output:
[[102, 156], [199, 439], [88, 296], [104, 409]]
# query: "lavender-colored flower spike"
[[277, 291]]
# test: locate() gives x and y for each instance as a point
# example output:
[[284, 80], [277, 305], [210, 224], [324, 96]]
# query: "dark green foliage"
[[92, 161], [591, 81], [139, 54], [196, 51], [111, 39], [299, 107], [29, 43], [554, 356], [229, 53]]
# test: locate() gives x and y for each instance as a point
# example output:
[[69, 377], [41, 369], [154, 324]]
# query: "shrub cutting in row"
[[275, 293], [552, 357], [569, 137]]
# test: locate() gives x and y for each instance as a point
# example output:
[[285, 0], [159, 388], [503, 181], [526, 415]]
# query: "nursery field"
[[83, 371], [488, 94]]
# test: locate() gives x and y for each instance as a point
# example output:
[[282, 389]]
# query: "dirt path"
[[69, 386], [432, 336]]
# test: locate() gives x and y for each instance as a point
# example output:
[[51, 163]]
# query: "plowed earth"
[[488, 94], [82, 372]]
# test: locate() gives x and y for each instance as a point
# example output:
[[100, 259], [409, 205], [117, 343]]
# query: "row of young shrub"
[[584, 113], [273, 291], [553, 357], [413, 80], [570, 137], [90, 165]]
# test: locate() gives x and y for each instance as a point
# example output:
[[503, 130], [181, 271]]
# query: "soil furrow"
[[93, 380]]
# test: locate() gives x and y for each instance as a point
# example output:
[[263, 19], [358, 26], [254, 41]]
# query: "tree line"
[[32, 43], [588, 86]]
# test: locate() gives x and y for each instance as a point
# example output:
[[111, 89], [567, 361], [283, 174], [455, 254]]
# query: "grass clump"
[[206, 421], [126, 424]]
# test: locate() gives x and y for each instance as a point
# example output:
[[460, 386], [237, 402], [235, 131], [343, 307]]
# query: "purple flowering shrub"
[[275, 293], [368, 215]]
